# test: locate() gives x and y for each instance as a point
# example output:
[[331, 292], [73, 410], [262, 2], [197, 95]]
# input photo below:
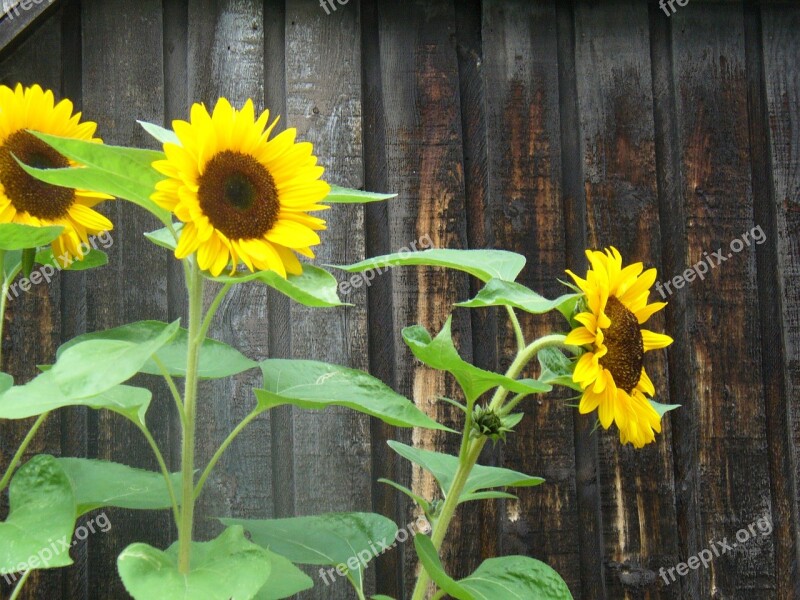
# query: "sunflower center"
[[625, 346], [27, 194], [238, 195]]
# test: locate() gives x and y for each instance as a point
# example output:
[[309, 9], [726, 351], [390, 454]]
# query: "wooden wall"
[[543, 127]]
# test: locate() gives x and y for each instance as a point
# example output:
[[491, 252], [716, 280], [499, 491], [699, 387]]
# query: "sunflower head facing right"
[[611, 371], [243, 198]]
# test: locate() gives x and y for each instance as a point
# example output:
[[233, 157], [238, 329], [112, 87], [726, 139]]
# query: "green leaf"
[[15, 236], [41, 518], [315, 287], [340, 195], [217, 359], [349, 539], [42, 395], [483, 264], [285, 580], [423, 504], [315, 385], [95, 365], [440, 353], [663, 409], [443, 467], [115, 170], [163, 237], [99, 483], [508, 293], [28, 260], [6, 382], [91, 260], [162, 135], [556, 368], [227, 568], [515, 577], [430, 560]]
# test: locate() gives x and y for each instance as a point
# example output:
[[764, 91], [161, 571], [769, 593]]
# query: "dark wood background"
[[543, 127]]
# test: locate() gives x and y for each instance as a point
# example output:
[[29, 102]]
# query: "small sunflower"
[[242, 196], [611, 372], [29, 201]]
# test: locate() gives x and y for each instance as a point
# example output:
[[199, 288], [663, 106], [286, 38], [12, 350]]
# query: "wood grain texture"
[[543, 127], [615, 103], [526, 214]]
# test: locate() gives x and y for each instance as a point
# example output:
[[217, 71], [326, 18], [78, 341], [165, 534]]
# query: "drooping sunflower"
[[243, 198], [29, 201], [611, 371]]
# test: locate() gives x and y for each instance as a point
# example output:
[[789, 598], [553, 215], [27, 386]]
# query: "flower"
[[241, 196], [29, 201], [610, 372]]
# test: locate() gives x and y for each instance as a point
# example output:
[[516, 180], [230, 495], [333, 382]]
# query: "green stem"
[[468, 458], [517, 329], [212, 310], [194, 284], [20, 584], [439, 595], [7, 279], [21, 450], [164, 470], [221, 450], [176, 395]]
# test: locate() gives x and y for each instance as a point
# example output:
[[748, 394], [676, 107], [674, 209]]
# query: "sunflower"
[[610, 372], [243, 198], [29, 201]]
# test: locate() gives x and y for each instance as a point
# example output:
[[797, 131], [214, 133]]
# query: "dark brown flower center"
[[27, 194], [238, 195], [625, 346]]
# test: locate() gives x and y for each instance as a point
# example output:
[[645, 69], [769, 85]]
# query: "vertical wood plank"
[[777, 205], [323, 88], [423, 146], [32, 331], [526, 215], [724, 342], [226, 58], [617, 132], [122, 82]]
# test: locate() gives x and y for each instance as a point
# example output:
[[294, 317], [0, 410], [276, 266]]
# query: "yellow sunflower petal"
[[655, 341]]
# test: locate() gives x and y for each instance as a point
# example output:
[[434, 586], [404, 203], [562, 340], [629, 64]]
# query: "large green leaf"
[[315, 287], [316, 385], [91, 260], [217, 359], [509, 293], [99, 483], [43, 394], [348, 539], [285, 580], [15, 236], [515, 578], [340, 195], [441, 354], [115, 170], [95, 365], [40, 520], [483, 264], [443, 467], [227, 568]]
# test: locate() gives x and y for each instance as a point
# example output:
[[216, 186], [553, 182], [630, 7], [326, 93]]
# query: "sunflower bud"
[[487, 423]]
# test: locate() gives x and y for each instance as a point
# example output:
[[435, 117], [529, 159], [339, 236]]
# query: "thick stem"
[[21, 450], [468, 459], [194, 284]]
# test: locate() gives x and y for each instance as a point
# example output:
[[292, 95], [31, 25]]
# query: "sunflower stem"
[[517, 329], [20, 584], [194, 285], [7, 279], [21, 450], [471, 450]]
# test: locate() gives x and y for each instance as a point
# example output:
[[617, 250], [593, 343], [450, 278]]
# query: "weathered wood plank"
[[18, 17], [526, 215], [777, 205], [332, 450], [615, 99], [122, 82], [32, 330], [724, 343], [226, 58]]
